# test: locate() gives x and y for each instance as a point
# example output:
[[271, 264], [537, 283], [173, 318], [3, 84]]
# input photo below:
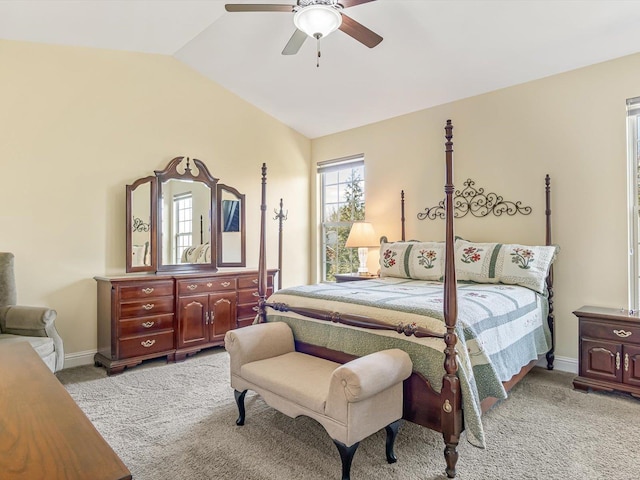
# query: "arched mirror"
[[141, 225], [183, 220], [231, 231], [187, 215]]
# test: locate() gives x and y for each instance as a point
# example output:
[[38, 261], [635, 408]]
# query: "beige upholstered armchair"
[[27, 324]]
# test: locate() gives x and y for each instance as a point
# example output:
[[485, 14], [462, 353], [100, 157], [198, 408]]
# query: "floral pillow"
[[417, 260], [513, 264]]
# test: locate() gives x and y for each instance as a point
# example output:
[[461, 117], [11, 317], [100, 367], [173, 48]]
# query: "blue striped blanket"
[[500, 329]]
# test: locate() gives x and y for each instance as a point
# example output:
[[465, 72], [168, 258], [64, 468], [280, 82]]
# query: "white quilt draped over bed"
[[500, 329]]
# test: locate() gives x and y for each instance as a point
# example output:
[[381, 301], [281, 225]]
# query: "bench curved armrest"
[[257, 342], [366, 376]]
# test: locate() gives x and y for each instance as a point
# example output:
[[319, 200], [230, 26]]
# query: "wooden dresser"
[[150, 316], [609, 357]]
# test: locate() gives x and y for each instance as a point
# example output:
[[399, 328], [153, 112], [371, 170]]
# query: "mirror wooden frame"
[[131, 225], [203, 176], [243, 238], [180, 168]]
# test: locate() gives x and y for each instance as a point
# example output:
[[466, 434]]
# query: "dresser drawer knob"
[[192, 287], [147, 343], [622, 333], [148, 306], [148, 324], [255, 294], [255, 281], [147, 290], [225, 284], [209, 284]]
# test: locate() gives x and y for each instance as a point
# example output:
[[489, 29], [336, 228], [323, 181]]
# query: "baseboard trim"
[[79, 358], [564, 364]]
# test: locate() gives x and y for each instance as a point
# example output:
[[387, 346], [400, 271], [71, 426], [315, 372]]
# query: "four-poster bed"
[[433, 400]]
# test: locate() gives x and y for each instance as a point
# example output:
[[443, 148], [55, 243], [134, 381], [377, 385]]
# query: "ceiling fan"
[[316, 19]]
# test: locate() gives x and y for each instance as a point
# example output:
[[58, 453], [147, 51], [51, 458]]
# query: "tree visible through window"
[[343, 201]]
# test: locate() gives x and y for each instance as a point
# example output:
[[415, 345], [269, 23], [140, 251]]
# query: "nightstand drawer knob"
[[147, 343], [622, 333]]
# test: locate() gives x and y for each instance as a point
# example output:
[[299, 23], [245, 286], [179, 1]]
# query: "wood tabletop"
[[43, 433]]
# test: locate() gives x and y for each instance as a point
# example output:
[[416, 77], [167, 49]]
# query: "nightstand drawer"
[[610, 331]]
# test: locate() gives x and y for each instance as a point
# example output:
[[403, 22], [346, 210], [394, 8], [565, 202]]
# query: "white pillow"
[[512, 264]]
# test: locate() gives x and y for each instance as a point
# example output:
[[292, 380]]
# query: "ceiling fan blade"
[[359, 32], [294, 43], [257, 7], [352, 3]]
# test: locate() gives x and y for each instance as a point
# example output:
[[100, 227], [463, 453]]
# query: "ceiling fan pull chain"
[[318, 36]]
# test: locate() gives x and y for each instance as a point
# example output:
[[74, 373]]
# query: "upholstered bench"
[[351, 401]]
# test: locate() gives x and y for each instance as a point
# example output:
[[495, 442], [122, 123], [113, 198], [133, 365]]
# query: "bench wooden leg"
[[346, 455], [392, 433], [240, 401]]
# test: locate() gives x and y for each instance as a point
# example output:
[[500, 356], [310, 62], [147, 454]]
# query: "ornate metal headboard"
[[476, 202]]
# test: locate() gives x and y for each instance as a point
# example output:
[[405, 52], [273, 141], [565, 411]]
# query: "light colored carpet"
[[177, 421]]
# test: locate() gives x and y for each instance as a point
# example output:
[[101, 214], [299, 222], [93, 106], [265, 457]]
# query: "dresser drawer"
[[146, 290], [610, 331], [247, 311], [145, 325], [206, 285], [151, 306], [146, 344], [251, 296], [252, 281]]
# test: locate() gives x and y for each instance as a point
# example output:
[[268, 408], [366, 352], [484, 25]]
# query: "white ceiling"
[[433, 52]]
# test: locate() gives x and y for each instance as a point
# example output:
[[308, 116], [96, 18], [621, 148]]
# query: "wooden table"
[[43, 433]]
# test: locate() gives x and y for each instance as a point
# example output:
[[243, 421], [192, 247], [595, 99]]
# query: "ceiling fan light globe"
[[317, 20]]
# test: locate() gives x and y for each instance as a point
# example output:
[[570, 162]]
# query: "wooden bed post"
[[402, 213], [262, 261], [451, 414], [550, 316]]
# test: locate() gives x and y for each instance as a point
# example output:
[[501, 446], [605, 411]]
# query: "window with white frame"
[[183, 224], [342, 198]]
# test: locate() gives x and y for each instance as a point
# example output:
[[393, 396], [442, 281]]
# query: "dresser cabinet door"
[[222, 315], [601, 360], [192, 313], [631, 363]]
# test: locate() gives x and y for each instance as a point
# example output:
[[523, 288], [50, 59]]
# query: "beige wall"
[[571, 126], [78, 124]]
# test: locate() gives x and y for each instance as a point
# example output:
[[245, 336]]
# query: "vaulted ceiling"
[[433, 52]]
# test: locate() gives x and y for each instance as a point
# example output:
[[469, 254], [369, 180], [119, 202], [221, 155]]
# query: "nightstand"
[[353, 277], [609, 356]]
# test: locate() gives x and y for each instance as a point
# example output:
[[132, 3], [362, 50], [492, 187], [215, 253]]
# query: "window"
[[342, 203], [183, 227], [633, 148]]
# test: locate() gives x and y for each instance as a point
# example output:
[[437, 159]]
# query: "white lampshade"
[[362, 235], [317, 20]]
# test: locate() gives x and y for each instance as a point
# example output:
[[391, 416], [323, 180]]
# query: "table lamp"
[[362, 237]]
